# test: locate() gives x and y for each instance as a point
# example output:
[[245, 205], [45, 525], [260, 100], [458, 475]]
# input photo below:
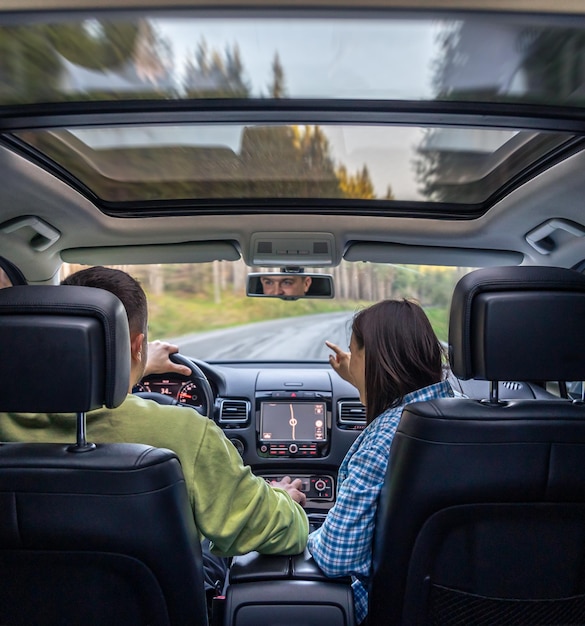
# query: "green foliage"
[[28, 65], [109, 46], [439, 318]]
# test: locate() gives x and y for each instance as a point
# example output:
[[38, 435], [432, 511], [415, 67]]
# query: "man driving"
[[235, 510]]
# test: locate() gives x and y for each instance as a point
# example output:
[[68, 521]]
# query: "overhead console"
[[293, 416], [308, 249]]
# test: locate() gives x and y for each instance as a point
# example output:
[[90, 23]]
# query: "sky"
[[348, 58], [343, 58]]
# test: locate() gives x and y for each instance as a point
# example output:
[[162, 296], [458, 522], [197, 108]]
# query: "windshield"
[[203, 308]]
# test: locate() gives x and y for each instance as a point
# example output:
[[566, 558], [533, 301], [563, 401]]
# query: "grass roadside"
[[439, 318], [176, 314]]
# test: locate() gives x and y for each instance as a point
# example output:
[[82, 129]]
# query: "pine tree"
[[277, 88], [202, 57], [358, 185]]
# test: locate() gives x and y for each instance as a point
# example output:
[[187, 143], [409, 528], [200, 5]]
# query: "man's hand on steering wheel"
[[164, 357], [159, 362]]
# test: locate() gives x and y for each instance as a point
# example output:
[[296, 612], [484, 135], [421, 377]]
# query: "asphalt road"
[[294, 338]]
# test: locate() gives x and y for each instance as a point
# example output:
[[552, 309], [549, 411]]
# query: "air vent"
[[234, 411], [512, 386], [351, 412]]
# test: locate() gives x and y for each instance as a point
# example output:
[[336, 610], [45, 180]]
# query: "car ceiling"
[[83, 233], [564, 6]]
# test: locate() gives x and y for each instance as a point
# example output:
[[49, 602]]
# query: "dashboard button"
[[320, 485], [293, 448]]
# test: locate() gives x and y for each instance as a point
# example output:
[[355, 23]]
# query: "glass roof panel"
[[387, 56], [230, 161]]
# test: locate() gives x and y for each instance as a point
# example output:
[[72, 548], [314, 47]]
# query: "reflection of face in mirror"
[[285, 285], [4, 280]]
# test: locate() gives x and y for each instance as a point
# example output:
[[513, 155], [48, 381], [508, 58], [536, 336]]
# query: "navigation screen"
[[292, 421]]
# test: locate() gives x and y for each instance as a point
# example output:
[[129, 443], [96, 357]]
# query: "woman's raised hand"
[[339, 361]]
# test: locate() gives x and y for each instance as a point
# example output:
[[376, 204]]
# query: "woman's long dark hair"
[[402, 352]]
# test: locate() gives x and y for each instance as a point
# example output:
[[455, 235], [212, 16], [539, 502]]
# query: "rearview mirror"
[[290, 285]]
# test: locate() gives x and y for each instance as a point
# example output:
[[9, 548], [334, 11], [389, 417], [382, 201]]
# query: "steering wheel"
[[197, 376]]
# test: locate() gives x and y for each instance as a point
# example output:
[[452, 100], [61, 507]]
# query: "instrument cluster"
[[181, 389]]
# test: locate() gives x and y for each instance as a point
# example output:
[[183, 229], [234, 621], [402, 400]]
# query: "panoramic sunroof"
[[388, 108], [199, 162], [384, 56]]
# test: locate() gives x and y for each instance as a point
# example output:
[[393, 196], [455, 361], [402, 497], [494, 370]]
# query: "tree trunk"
[[216, 283]]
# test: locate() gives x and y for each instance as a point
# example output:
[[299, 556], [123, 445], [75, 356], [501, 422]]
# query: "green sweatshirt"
[[237, 511]]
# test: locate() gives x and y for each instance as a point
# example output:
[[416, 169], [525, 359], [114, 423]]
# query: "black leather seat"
[[89, 534], [482, 519]]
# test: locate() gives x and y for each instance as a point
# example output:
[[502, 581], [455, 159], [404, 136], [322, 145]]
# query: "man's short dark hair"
[[122, 285]]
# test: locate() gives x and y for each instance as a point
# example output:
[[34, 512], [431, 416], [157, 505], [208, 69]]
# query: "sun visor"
[[380, 252], [192, 252]]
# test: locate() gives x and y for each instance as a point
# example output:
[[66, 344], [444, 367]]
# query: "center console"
[[268, 589], [292, 431], [293, 428]]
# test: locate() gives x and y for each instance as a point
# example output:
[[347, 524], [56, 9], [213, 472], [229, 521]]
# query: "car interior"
[[301, 162]]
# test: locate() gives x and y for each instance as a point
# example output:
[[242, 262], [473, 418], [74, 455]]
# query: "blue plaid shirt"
[[342, 546]]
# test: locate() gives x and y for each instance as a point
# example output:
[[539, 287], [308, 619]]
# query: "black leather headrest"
[[64, 349], [518, 323]]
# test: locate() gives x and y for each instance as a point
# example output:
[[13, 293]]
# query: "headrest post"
[[494, 392], [81, 445]]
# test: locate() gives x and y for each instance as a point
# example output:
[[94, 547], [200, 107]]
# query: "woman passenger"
[[395, 358]]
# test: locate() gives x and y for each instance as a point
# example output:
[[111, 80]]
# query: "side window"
[[575, 390]]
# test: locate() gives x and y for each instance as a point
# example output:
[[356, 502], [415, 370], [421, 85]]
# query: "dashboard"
[[297, 419]]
